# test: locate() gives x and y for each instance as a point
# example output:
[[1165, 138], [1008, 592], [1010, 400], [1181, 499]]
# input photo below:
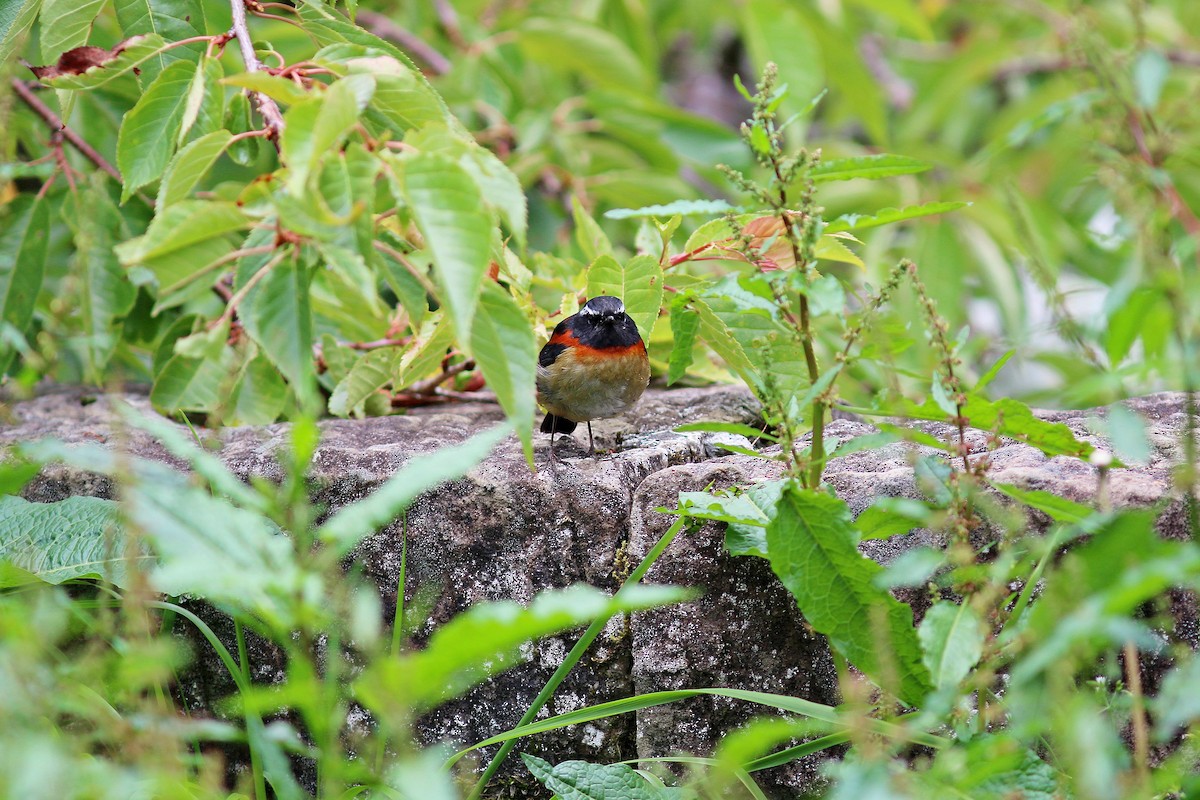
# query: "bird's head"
[[603, 309]]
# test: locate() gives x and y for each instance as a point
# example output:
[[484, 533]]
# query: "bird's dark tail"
[[553, 424]]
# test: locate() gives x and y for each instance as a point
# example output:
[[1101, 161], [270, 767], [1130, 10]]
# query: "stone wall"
[[502, 532]]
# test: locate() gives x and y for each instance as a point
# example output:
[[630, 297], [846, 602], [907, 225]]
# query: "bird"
[[594, 366]]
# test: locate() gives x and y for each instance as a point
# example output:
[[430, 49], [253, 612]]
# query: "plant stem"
[[55, 122], [272, 116], [573, 657]]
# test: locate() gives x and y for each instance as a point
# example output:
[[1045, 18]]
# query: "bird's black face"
[[602, 322]]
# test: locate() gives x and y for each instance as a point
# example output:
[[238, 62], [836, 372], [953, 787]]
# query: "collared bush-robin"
[[594, 366]]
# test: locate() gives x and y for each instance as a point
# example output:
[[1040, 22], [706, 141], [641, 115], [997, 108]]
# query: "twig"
[[899, 91], [1141, 730], [431, 384], [44, 111], [272, 116], [412, 44]]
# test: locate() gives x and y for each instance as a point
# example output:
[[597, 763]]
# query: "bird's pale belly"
[[583, 388]]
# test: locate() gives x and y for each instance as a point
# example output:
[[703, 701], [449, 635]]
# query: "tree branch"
[[44, 111], [272, 116], [416, 47]]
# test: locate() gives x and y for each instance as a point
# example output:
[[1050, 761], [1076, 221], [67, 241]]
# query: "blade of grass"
[[569, 663]]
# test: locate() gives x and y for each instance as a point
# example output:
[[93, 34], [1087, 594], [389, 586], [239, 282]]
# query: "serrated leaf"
[[830, 248], [580, 780], [89, 67], [639, 284], [500, 187], [65, 24], [504, 347], [1059, 509], [869, 167], [277, 316], [1010, 418], [681, 207], [886, 216], [24, 239], [685, 324], [15, 19], [273, 86], [892, 516], [951, 642], [570, 43], [588, 235], [426, 352], [173, 20], [181, 241], [204, 104], [194, 384], [107, 295], [353, 523], [151, 128], [371, 372], [190, 165], [260, 395], [812, 545], [457, 228], [316, 126], [79, 537]]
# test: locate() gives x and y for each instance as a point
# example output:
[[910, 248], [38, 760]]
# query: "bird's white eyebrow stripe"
[[588, 311]]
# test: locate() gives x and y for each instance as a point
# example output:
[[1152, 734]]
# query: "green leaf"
[[260, 395], [500, 187], [1057, 508], [485, 639], [353, 523], [682, 207], [129, 54], [951, 642], [830, 248], [79, 537], [685, 324], [151, 128], [173, 20], [1178, 702], [886, 216], [714, 331], [812, 545], [1150, 72], [639, 285], [194, 384], [793, 705], [107, 295], [277, 316], [65, 24], [371, 372], [451, 215], [1010, 418], [190, 165], [579, 780], [588, 235], [204, 105], [780, 32], [15, 19], [892, 516], [570, 43], [993, 371], [503, 345], [425, 352], [315, 127], [273, 86], [872, 167], [24, 239], [181, 240]]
